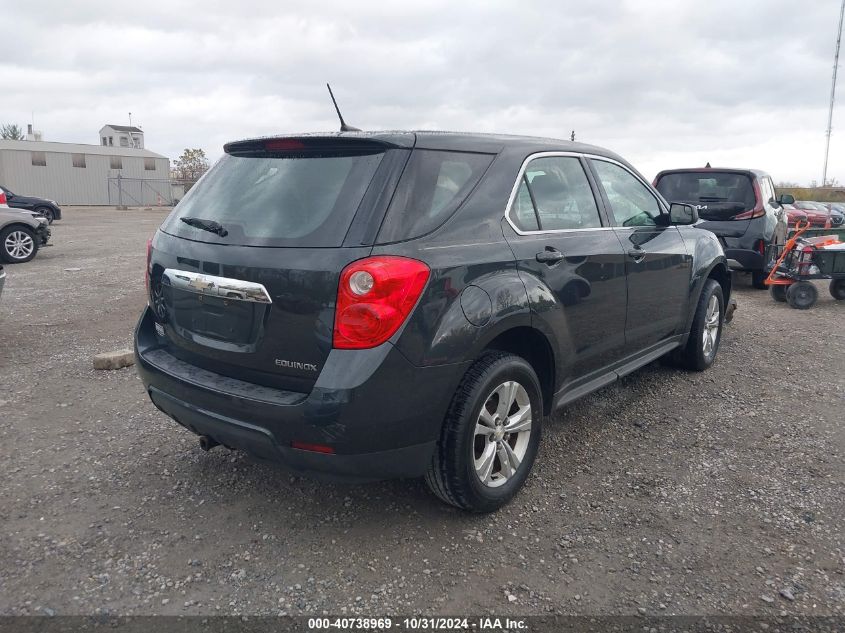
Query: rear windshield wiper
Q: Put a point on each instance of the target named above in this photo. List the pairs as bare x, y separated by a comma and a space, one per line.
206, 225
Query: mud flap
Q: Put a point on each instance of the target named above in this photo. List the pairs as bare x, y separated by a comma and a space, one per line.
730, 309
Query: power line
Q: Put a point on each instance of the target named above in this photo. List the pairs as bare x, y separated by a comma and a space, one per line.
832, 94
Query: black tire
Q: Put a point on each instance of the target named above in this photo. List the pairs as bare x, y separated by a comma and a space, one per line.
758, 279
802, 295
693, 355
6, 251
452, 474
47, 213
778, 293
837, 289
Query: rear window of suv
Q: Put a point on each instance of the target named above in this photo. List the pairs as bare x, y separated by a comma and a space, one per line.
303, 201
719, 195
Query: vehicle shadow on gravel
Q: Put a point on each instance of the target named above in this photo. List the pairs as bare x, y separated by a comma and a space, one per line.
243, 486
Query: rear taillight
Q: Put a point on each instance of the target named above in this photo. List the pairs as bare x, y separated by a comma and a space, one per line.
374, 297
147, 268
756, 212
2, 197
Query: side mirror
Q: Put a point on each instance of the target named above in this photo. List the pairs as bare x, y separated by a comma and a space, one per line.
786, 198
682, 213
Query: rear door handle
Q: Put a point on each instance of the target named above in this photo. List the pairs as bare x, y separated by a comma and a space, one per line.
550, 256
637, 254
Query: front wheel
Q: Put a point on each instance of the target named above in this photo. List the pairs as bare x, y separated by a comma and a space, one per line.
778, 292
706, 332
490, 435
18, 244
837, 289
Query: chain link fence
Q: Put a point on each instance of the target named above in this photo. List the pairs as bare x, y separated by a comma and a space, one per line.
143, 192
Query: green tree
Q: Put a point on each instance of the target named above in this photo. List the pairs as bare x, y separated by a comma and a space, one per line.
11, 132
190, 165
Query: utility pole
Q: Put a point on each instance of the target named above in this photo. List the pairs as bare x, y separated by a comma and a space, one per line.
832, 94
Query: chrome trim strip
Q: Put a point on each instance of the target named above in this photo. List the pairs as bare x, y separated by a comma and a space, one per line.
522, 169
212, 286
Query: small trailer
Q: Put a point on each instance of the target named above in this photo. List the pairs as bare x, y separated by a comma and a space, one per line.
800, 260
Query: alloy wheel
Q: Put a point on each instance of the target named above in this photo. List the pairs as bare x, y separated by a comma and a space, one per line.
19, 245
502, 434
710, 336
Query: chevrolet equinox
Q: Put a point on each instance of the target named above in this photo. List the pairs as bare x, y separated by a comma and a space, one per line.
414, 304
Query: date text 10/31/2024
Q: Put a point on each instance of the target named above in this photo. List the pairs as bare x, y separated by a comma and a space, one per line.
416, 624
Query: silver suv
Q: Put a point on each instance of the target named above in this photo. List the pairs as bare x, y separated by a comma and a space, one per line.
21, 235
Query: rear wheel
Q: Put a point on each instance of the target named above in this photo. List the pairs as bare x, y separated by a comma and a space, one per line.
758, 279
802, 295
778, 293
18, 244
837, 289
706, 332
490, 435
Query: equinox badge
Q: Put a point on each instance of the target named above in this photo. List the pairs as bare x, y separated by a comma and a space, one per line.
295, 364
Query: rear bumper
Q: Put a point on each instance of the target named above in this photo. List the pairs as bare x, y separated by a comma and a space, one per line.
747, 259
381, 414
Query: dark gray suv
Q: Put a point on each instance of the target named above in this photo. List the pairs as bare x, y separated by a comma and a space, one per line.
383, 305
738, 205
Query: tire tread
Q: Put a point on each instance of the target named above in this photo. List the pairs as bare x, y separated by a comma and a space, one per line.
689, 357
441, 478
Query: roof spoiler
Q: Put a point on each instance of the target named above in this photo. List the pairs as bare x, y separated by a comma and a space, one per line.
307, 145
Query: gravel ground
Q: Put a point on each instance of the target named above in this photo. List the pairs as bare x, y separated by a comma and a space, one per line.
665, 493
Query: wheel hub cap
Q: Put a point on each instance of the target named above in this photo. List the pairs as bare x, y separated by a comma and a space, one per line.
502, 434
19, 244
712, 324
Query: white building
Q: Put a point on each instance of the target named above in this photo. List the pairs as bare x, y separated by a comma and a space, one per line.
122, 136
74, 173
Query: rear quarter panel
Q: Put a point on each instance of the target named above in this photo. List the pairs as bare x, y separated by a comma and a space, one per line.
474, 292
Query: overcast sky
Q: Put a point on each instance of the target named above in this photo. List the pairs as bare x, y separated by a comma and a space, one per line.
665, 83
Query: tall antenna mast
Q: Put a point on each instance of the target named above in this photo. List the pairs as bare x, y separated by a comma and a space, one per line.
344, 126
832, 94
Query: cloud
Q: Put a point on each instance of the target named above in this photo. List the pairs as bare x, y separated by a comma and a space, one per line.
662, 83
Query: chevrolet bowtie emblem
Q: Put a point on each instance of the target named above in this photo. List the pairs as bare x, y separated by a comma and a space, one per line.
212, 286
201, 283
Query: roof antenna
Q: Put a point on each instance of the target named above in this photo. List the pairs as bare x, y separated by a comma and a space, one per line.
343, 126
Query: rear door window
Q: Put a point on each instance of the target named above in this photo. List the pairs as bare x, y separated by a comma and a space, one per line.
718, 195
303, 201
522, 211
432, 187
554, 195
